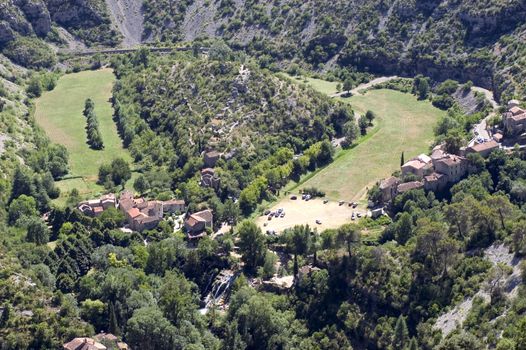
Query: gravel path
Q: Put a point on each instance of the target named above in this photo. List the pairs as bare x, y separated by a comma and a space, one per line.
128, 17
365, 86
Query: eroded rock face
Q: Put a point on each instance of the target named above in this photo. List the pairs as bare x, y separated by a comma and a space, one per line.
37, 14
24, 17
74, 13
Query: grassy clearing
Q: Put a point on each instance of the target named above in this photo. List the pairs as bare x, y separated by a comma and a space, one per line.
59, 113
404, 124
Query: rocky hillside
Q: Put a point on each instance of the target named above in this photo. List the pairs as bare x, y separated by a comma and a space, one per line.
464, 40
26, 24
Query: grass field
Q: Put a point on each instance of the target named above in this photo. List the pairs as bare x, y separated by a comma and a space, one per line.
59, 113
404, 124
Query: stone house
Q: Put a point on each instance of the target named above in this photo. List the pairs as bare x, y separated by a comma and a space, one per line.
389, 188
197, 223
514, 121
84, 343
95, 207
453, 166
210, 158
419, 166
484, 149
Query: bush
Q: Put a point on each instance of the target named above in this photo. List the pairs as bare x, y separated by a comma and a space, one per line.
30, 52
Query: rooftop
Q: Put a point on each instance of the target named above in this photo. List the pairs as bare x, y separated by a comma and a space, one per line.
386, 183
484, 146
409, 186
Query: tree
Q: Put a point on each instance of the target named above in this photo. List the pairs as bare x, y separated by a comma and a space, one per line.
453, 141
401, 334
402, 159
113, 323
421, 87
370, 115
348, 85
178, 298
349, 234
141, 184
403, 228
350, 131
23, 206
297, 241
363, 123
251, 245
34, 88
37, 231
118, 172
148, 329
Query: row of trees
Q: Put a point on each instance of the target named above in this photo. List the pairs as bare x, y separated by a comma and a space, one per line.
92, 127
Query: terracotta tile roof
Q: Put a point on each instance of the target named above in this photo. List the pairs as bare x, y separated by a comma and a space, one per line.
133, 212
433, 177
415, 163
84, 344
205, 215
386, 183
174, 202
516, 110
518, 117
451, 159
484, 146
410, 186
212, 154
209, 171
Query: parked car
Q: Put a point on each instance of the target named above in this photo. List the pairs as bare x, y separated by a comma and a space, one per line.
308, 197
282, 215
353, 217
326, 201
359, 215
280, 210
269, 217
318, 222
303, 196
265, 224
354, 205
340, 203
266, 212
293, 198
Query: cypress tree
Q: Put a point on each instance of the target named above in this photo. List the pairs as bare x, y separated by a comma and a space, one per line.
401, 334
413, 345
113, 326
402, 159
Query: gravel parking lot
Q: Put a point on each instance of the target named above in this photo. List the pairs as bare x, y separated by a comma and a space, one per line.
300, 212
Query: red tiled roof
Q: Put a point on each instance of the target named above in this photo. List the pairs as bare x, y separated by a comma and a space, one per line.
484, 146
133, 212
409, 186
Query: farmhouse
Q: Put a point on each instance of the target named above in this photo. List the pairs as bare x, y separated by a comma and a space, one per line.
95, 207
434, 173
408, 186
174, 206
514, 120
197, 223
453, 166
419, 166
484, 149
146, 215
389, 188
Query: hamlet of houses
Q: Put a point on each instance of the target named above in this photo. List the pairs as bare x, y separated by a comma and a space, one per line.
142, 214
435, 172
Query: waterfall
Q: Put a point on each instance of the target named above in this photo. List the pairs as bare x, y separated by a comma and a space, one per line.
219, 292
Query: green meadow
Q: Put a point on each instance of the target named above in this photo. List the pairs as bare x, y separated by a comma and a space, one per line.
59, 113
